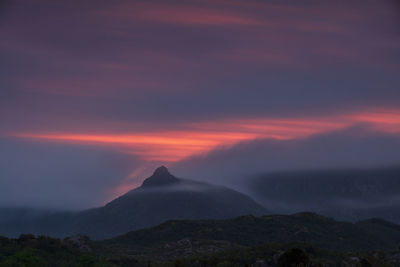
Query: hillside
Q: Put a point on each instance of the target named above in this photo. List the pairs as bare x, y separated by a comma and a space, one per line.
304, 227
248, 239
274, 241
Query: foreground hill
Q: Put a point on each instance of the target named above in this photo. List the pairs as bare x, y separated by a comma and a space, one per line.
311, 228
161, 197
249, 239
274, 241
349, 194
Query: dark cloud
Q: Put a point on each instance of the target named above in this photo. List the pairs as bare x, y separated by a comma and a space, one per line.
4, 7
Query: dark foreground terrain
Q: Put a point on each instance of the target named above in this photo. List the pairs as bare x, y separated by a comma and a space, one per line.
303, 239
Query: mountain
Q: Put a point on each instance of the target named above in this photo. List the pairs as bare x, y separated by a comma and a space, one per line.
348, 194
161, 197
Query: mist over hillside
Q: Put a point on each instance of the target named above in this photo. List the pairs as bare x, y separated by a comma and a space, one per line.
347, 194
349, 174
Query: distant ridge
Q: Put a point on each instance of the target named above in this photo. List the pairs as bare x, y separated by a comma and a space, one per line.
345, 194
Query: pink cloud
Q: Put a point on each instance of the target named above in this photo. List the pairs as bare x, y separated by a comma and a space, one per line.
195, 16
189, 15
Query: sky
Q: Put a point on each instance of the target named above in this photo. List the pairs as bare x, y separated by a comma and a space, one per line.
94, 95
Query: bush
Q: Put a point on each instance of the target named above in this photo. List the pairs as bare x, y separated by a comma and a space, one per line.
293, 258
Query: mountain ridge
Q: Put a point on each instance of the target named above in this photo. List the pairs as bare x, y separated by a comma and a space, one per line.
161, 197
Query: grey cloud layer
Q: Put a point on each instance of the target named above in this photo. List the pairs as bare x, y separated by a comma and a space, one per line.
356, 147
59, 176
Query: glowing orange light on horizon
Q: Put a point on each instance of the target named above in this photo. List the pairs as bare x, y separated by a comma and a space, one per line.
171, 146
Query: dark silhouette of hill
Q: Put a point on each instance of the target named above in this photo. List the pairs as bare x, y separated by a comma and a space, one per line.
275, 240
305, 227
161, 197
348, 194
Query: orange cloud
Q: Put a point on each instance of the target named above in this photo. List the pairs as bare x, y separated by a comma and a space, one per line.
165, 146
197, 138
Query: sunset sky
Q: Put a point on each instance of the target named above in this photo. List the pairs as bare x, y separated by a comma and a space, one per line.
95, 94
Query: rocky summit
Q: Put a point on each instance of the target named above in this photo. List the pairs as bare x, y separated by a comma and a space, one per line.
161, 177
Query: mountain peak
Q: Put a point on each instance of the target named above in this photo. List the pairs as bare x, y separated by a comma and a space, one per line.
160, 177
162, 170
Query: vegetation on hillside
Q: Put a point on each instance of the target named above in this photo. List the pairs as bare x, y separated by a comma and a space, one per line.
303, 239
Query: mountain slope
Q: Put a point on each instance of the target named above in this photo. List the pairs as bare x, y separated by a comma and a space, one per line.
163, 197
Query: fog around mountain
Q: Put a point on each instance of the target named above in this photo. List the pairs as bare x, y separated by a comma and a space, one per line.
347, 194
